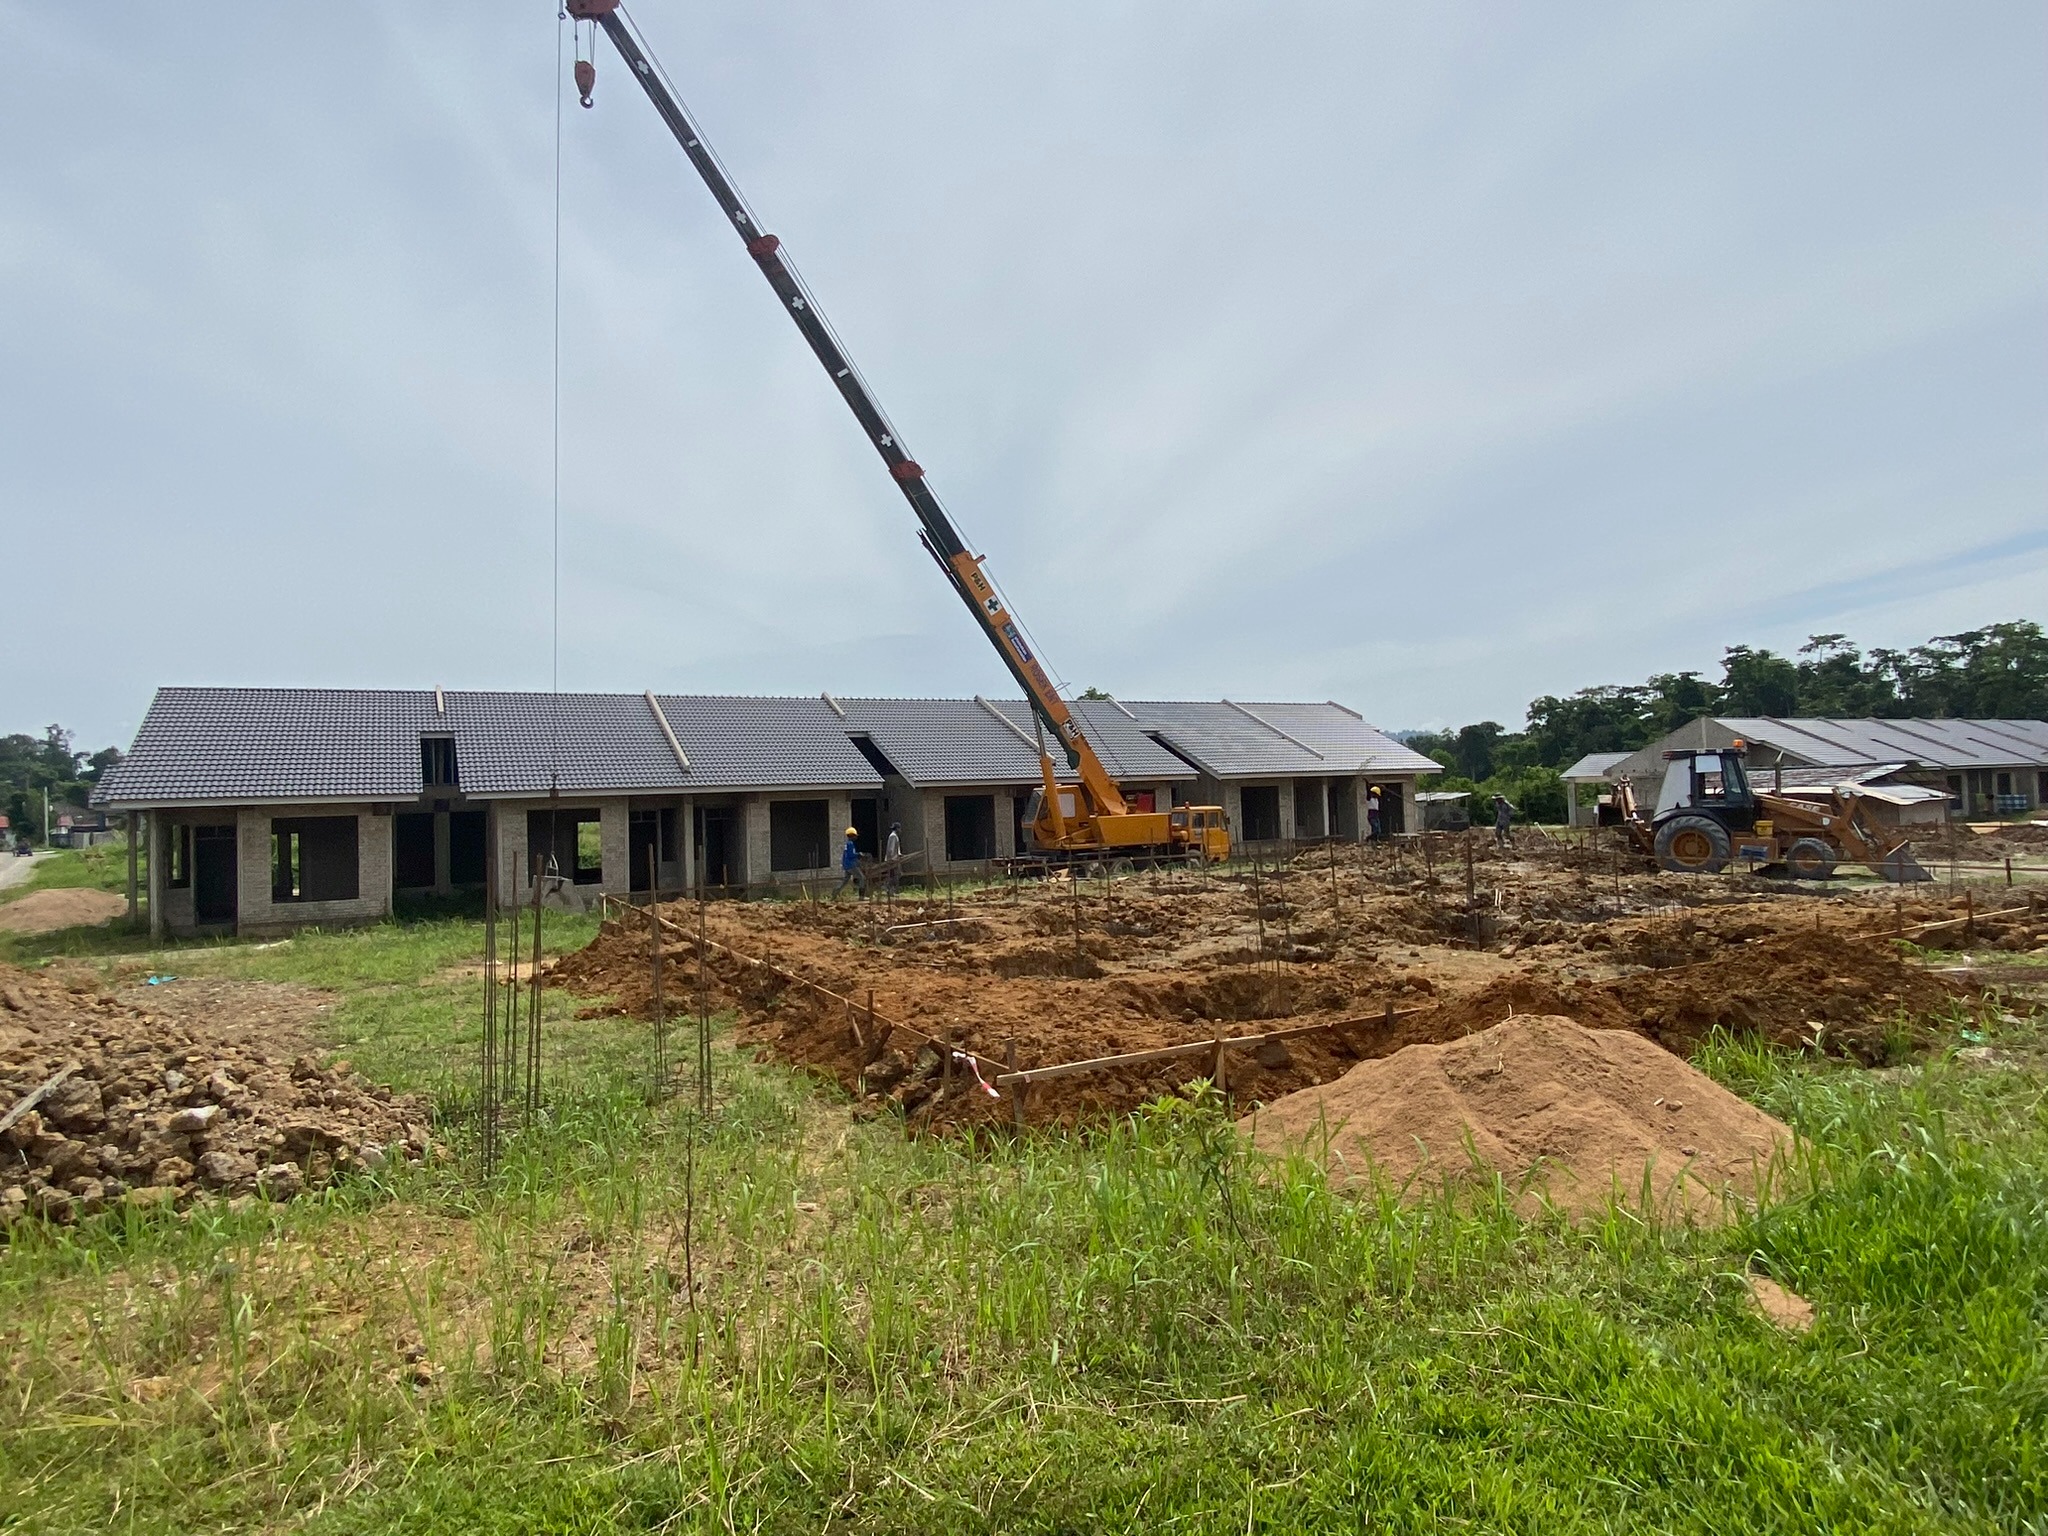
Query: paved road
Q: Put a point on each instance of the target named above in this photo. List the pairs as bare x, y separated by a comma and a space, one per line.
13, 871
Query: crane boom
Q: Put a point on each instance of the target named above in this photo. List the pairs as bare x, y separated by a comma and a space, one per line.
962, 566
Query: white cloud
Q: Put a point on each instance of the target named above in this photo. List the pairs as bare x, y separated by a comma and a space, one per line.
1426, 359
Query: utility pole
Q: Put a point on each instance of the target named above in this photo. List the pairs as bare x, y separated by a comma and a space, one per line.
46, 818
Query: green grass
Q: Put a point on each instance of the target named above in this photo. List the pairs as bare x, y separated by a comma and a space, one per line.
1136, 1329
101, 868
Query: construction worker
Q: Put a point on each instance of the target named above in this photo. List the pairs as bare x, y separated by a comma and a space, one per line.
1503, 814
892, 857
850, 872
1372, 814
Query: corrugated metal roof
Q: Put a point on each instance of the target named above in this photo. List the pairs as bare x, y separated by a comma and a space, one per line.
1276, 740
1946, 744
1593, 768
1949, 746
959, 741
1825, 778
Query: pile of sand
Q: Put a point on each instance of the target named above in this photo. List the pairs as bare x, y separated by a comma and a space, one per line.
104, 1101
1568, 1115
66, 907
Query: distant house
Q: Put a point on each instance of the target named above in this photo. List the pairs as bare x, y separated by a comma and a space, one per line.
1595, 771
269, 808
1980, 767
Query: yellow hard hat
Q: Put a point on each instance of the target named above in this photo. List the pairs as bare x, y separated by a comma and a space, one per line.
853, 831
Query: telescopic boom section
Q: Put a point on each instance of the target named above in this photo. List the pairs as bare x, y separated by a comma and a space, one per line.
962, 566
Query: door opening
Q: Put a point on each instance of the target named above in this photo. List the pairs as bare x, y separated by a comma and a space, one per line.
213, 875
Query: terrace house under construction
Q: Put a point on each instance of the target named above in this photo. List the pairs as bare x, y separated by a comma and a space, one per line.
270, 808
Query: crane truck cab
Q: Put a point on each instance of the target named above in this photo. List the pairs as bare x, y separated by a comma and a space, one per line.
1188, 829
1203, 829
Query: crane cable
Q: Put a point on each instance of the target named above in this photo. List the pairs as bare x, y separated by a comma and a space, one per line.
555, 466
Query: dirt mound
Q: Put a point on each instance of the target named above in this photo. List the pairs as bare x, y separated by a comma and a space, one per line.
47, 911
191, 1087
1565, 1114
1848, 994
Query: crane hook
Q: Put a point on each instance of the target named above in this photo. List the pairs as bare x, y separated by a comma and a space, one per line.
586, 80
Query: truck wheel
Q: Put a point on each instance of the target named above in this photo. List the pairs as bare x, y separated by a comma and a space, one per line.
1693, 845
1810, 859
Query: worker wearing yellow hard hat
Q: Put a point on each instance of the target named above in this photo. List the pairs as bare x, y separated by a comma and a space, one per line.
850, 872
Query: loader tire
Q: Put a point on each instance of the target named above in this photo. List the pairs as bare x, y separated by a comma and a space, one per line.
1809, 859
1693, 845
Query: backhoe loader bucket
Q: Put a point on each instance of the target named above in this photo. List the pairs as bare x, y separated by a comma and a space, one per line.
1900, 867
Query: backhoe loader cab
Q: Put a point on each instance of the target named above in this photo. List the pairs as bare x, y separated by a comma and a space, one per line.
1706, 814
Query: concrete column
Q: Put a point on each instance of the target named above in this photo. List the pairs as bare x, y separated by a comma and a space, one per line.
613, 819
838, 817
252, 868
689, 837
755, 844
934, 830
155, 825
507, 832
1006, 823
443, 859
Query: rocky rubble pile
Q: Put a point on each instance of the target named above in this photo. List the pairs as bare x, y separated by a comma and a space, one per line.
103, 1101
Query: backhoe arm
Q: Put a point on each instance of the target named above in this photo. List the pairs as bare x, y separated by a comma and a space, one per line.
962, 566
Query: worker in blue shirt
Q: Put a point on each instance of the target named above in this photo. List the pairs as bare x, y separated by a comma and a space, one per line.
850, 872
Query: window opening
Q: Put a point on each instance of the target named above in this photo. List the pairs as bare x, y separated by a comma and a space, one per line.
1261, 808
313, 858
412, 854
569, 842
437, 761
970, 828
800, 835
179, 857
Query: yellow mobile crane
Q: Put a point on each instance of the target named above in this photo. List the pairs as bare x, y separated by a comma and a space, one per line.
1086, 819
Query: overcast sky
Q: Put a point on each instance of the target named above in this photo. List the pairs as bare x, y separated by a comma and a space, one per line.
1424, 357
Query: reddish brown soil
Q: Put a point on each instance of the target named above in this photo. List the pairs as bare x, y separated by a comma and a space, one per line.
1044, 974
47, 911
176, 1090
1567, 1116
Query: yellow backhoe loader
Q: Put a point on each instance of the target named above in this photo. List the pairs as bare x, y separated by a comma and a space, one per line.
1708, 818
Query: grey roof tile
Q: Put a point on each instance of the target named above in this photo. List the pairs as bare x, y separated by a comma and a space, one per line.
764, 743
263, 744
957, 741
1277, 740
243, 744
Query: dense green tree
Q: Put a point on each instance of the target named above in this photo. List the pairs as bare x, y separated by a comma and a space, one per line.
1606, 719
29, 766
1834, 683
1755, 682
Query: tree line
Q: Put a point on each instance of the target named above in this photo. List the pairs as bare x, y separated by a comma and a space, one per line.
29, 766
1998, 672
